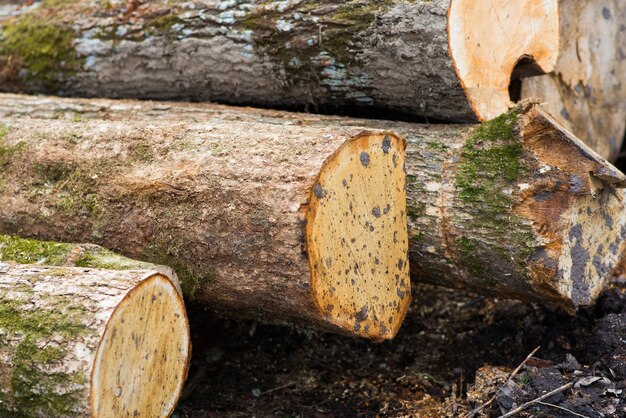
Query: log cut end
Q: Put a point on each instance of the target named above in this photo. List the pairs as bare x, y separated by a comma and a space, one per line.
578, 211
145, 346
357, 238
493, 41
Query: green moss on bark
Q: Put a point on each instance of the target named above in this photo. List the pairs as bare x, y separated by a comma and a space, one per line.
29, 251
36, 389
43, 48
321, 44
490, 169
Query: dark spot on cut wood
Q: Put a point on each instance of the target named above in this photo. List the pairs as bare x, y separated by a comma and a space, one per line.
376, 211
386, 144
319, 192
576, 184
365, 159
543, 196
606, 13
400, 294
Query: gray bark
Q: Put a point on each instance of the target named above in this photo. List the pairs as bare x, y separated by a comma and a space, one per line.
391, 55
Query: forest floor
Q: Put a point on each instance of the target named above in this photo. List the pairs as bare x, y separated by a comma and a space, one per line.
454, 352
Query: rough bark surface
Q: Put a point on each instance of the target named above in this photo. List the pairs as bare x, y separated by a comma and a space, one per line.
507, 207
14, 249
392, 54
587, 90
516, 207
223, 196
54, 322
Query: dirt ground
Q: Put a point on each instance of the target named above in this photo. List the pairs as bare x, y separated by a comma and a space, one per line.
430, 370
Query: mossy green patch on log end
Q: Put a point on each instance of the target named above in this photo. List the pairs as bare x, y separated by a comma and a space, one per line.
490, 168
35, 388
43, 48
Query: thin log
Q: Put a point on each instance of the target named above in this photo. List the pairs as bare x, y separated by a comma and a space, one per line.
90, 342
443, 59
267, 218
505, 208
587, 89
14, 249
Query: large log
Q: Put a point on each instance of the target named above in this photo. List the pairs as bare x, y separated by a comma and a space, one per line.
516, 207
587, 89
269, 218
443, 59
88, 342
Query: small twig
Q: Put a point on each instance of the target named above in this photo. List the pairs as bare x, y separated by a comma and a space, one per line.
564, 409
537, 400
511, 376
522, 364
278, 388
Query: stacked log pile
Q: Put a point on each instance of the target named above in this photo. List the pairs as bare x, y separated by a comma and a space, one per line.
313, 221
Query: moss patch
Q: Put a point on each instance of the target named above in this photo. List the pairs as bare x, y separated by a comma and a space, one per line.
42, 47
320, 43
190, 279
28, 251
36, 391
490, 168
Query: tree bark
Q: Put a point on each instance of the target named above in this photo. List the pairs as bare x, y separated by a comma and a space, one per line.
586, 92
14, 249
90, 342
508, 207
425, 57
264, 216
517, 207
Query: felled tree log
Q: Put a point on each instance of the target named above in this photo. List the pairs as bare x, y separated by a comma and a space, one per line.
494, 208
424, 57
90, 342
586, 92
14, 249
516, 207
269, 219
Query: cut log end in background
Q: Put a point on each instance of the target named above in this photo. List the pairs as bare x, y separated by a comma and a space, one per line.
492, 42
360, 279
586, 91
90, 342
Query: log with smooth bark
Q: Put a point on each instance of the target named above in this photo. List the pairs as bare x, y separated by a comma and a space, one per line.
271, 219
508, 207
90, 342
445, 59
587, 90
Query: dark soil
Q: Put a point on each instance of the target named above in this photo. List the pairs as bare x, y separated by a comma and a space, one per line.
429, 370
